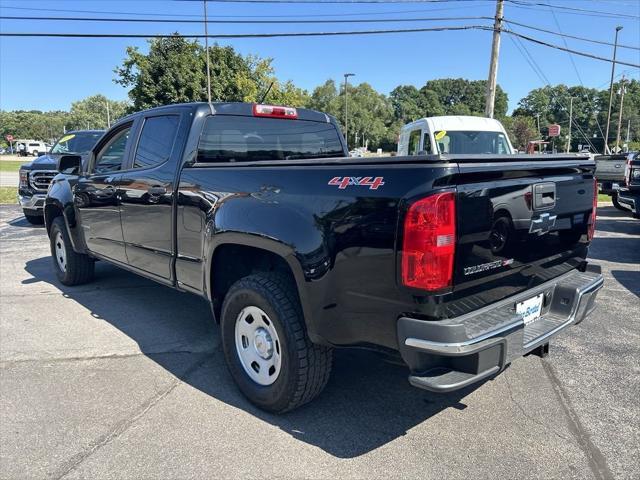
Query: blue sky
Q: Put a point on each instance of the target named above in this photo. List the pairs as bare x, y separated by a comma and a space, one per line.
50, 73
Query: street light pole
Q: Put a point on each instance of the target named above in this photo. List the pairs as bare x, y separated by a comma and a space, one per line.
622, 92
613, 69
346, 101
570, 121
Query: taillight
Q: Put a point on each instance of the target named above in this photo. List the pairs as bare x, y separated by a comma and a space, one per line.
274, 111
627, 171
429, 242
24, 179
592, 219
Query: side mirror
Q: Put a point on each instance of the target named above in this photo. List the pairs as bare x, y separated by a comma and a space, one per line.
70, 164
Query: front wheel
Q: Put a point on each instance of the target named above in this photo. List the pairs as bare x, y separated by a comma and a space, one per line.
266, 346
71, 268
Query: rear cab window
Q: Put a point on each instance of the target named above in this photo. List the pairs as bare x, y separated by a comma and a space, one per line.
228, 138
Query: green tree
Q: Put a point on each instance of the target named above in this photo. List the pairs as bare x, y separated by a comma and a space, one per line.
459, 96
174, 71
521, 130
95, 112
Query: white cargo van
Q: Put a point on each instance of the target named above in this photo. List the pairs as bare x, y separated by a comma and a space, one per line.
454, 134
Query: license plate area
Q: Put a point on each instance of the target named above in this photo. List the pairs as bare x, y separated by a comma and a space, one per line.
530, 309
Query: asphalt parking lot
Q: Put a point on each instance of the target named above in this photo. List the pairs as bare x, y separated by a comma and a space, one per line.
123, 378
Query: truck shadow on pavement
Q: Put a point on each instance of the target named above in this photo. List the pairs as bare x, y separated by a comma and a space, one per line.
367, 403
612, 220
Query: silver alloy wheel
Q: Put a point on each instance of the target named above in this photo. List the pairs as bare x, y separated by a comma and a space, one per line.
258, 345
61, 253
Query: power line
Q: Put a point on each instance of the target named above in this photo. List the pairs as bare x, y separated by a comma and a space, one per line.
314, 34
343, 14
564, 49
562, 34
173, 20
571, 9
244, 35
541, 75
304, 21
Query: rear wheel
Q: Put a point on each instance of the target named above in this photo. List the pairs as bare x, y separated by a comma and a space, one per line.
35, 153
266, 346
71, 268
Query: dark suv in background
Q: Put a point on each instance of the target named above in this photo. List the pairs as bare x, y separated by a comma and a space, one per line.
36, 176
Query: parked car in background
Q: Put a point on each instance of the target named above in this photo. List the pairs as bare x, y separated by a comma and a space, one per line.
31, 148
299, 248
629, 194
610, 175
36, 175
454, 134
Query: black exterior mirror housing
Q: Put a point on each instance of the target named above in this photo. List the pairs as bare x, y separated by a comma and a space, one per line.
70, 164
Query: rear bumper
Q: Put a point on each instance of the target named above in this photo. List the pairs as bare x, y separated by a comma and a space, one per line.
609, 187
450, 354
629, 199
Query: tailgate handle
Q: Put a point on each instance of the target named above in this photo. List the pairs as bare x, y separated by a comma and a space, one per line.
544, 195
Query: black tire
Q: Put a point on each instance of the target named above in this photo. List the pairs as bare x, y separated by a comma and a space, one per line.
35, 153
305, 366
33, 219
79, 268
617, 204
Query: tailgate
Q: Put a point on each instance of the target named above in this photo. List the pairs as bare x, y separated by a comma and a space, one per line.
610, 167
519, 225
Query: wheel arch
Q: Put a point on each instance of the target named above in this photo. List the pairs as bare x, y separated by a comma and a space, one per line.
251, 254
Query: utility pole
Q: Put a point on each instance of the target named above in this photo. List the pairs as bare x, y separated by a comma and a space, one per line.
493, 66
570, 122
613, 69
346, 101
108, 116
538, 118
622, 91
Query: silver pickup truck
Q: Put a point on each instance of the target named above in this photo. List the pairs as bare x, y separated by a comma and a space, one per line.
610, 175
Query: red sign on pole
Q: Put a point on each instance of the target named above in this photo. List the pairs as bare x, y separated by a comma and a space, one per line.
9, 138
554, 130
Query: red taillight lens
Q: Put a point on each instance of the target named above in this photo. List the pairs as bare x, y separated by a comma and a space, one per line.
592, 219
429, 242
275, 111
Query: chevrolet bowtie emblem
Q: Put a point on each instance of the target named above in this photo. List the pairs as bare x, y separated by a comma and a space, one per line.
543, 224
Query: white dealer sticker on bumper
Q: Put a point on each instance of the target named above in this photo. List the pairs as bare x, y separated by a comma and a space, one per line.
530, 309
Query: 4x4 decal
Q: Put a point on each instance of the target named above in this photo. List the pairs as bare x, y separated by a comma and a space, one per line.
344, 182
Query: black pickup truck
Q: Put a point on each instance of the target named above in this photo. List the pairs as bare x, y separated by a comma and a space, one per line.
458, 263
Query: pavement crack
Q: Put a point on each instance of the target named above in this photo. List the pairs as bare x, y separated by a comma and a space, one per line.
595, 458
79, 358
119, 428
526, 415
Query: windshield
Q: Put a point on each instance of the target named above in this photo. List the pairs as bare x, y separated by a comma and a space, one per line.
76, 142
469, 142
248, 139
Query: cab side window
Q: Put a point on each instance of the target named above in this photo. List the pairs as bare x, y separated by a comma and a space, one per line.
426, 143
111, 157
156, 141
414, 142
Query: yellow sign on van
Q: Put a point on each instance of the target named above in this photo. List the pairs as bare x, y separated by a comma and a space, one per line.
66, 138
440, 135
